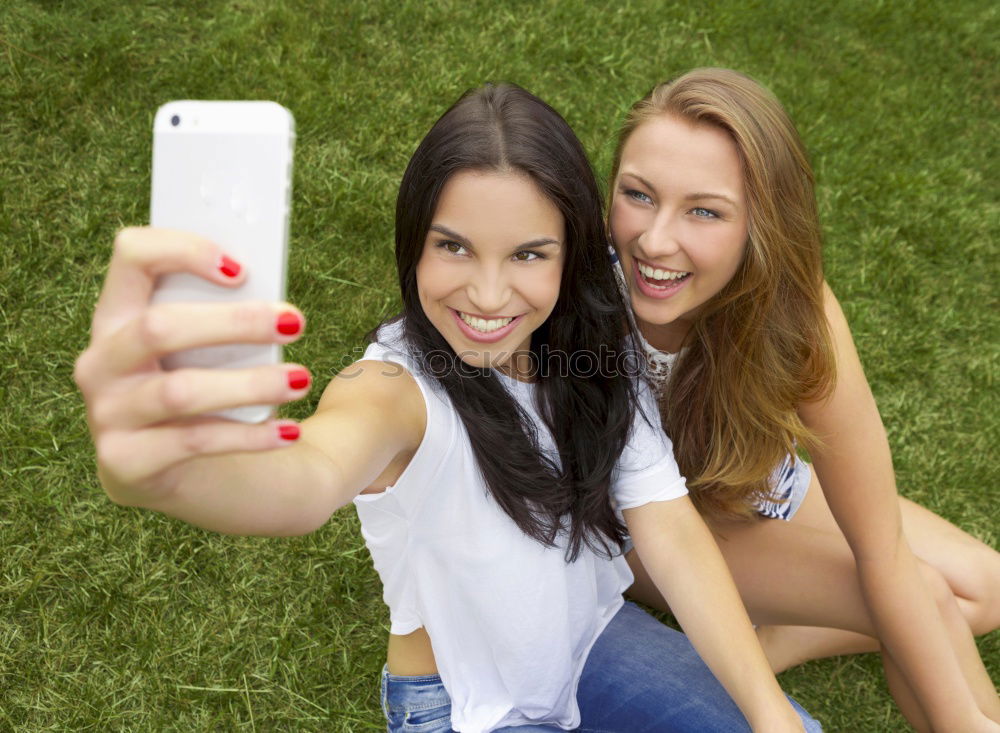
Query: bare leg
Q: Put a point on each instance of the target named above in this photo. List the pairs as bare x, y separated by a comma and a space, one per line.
966, 567
791, 574
790, 646
777, 565
785, 646
971, 567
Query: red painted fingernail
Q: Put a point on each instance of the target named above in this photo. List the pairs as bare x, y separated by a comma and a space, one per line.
289, 323
229, 267
298, 378
288, 432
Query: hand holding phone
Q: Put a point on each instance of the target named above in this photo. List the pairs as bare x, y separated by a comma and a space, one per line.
222, 170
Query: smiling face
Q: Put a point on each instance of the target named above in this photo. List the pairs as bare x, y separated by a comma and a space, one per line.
679, 222
491, 265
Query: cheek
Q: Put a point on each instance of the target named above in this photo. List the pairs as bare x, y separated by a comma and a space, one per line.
542, 286
432, 281
621, 222
720, 254
736, 251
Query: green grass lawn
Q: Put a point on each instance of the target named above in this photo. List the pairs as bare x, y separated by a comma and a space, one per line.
117, 619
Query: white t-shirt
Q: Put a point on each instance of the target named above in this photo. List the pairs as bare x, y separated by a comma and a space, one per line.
510, 621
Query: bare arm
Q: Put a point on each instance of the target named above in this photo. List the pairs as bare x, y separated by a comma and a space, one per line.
854, 466
684, 561
157, 449
361, 426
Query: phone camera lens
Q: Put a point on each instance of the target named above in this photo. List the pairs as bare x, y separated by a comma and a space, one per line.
175, 120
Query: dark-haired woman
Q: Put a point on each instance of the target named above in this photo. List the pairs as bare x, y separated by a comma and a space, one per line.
714, 220
472, 440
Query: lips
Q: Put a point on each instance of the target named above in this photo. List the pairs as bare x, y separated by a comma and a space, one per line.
494, 334
661, 287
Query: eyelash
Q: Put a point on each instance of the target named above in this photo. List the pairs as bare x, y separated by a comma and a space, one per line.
447, 244
534, 256
644, 198
711, 214
638, 196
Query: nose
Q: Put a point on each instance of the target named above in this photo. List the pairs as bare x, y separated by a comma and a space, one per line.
489, 290
660, 238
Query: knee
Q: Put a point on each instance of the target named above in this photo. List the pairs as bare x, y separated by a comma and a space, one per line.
975, 591
982, 604
937, 585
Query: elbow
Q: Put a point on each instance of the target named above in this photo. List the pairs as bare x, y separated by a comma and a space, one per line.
298, 527
120, 495
120, 500
302, 512
943, 596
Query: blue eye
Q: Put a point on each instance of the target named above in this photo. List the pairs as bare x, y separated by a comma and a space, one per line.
703, 213
637, 195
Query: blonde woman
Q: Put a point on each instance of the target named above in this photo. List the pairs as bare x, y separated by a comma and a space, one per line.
714, 220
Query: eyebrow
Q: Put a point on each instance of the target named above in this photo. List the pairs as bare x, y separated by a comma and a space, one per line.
464, 241
697, 196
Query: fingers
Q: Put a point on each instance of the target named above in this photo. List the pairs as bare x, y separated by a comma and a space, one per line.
189, 392
141, 254
145, 420
169, 327
133, 457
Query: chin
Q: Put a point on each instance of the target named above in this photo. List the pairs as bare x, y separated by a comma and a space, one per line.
649, 310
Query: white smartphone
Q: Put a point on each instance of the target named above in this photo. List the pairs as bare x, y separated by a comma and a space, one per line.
223, 170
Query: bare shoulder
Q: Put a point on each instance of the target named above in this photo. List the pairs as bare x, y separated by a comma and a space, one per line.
834, 313
851, 393
385, 391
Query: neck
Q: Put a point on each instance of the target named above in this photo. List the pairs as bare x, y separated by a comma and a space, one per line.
520, 367
668, 337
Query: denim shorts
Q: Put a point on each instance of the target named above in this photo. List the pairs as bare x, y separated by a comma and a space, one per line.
420, 704
640, 677
412, 703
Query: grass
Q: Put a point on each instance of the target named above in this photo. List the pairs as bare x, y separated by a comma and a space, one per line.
114, 619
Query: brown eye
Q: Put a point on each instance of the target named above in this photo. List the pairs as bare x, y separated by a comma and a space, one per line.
527, 256
451, 247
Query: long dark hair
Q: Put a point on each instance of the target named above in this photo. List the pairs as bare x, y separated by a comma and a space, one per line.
583, 396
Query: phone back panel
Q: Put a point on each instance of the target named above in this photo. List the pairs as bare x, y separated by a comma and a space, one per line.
223, 170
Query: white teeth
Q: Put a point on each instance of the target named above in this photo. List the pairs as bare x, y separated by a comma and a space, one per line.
481, 324
658, 274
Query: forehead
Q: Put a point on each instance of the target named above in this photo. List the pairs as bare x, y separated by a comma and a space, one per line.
490, 207
703, 155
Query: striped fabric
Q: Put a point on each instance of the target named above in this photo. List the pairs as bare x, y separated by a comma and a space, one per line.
790, 482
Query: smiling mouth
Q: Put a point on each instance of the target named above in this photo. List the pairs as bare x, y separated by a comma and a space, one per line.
485, 330
484, 325
656, 277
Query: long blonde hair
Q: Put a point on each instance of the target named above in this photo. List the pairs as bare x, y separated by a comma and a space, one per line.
762, 344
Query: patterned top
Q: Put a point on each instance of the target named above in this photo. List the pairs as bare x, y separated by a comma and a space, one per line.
789, 481
661, 364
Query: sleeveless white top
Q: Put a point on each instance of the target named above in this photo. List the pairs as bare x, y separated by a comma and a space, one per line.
510, 621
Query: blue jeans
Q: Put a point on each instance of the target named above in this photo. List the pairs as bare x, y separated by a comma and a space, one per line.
640, 677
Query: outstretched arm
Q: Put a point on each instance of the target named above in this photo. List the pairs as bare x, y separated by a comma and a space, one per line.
362, 425
936, 655
156, 449
681, 557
